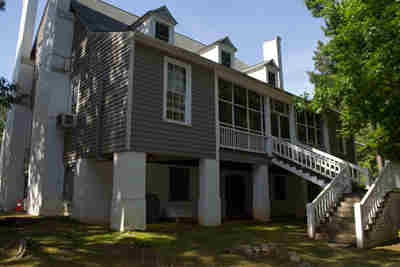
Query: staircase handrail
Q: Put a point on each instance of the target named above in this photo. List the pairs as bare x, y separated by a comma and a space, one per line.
355, 170
320, 207
366, 210
323, 163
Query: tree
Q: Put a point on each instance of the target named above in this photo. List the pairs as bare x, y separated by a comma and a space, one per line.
357, 71
9, 95
2, 5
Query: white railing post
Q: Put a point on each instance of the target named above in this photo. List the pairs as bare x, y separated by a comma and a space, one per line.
359, 225
310, 221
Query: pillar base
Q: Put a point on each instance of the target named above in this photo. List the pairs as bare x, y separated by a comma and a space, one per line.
261, 199
128, 208
209, 199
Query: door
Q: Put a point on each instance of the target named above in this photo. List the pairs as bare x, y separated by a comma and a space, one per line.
235, 189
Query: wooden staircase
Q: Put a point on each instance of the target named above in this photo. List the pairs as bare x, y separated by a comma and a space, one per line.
339, 227
334, 214
300, 171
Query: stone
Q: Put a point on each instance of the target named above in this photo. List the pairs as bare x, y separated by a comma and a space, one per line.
294, 257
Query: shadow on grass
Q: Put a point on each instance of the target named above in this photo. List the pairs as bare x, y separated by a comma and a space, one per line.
64, 242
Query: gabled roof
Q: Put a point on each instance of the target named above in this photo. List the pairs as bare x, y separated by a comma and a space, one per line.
161, 12
224, 41
164, 13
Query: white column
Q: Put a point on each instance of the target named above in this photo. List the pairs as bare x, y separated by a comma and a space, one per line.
358, 225
209, 197
310, 221
292, 124
267, 117
267, 123
128, 208
261, 197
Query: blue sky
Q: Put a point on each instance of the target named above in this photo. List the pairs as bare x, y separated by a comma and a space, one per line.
247, 23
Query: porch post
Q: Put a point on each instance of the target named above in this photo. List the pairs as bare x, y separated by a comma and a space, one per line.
310, 221
261, 198
359, 226
292, 124
267, 116
128, 208
209, 198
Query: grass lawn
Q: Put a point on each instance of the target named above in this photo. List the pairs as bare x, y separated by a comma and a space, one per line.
64, 242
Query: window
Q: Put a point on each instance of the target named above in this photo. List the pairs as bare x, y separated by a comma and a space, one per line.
240, 108
179, 184
280, 126
309, 128
177, 91
280, 187
226, 59
162, 31
272, 79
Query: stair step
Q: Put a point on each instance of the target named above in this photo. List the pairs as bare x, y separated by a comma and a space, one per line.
344, 215
344, 238
345, 208
347, 204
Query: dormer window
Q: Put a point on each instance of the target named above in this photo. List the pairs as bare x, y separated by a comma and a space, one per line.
226, 58
162, 31
272, 79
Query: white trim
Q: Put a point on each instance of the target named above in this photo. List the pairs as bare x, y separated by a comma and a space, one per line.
188, 96
130, 94
217, 126
171, 27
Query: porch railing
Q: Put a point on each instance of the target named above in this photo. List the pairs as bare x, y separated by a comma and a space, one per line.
327, 200
366, 210
241, 140
318, 161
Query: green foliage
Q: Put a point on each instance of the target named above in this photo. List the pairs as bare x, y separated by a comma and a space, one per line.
357, 72
8, 95
366, 150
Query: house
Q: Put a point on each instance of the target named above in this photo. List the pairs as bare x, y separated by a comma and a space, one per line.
123, 107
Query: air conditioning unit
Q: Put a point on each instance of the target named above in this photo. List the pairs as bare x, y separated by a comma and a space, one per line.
66, 120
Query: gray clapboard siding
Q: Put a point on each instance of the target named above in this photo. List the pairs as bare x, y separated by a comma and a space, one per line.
149, 133
102, 62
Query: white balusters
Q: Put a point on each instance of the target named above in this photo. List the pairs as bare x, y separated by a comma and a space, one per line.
367, 209
319, 209
241, 140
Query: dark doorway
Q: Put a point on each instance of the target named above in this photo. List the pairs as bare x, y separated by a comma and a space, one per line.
235, 192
